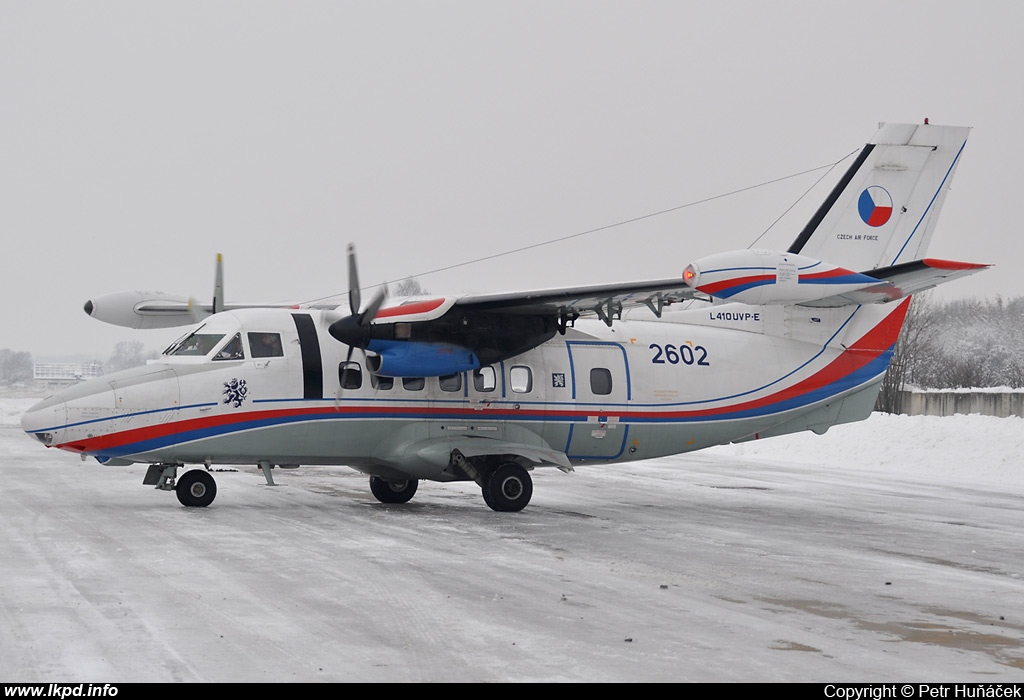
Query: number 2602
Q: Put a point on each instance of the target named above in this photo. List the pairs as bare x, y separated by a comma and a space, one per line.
697, 355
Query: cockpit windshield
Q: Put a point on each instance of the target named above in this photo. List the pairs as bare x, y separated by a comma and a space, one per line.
195, 345
231, 351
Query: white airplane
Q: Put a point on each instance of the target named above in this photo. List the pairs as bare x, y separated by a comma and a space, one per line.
488, 387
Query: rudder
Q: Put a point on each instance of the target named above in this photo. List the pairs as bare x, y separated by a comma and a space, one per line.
884, 209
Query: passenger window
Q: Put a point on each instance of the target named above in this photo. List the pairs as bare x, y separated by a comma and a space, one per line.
350, 375
600, 381
450, 382
231, 351
382, 383
485, 379
265, 345
413, 383
520, 378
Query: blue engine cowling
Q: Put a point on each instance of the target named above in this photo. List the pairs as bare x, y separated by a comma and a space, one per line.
397, 358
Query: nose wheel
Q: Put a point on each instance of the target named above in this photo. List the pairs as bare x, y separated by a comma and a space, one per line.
393, 491
196, 489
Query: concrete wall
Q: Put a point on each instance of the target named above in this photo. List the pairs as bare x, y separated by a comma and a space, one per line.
947, 403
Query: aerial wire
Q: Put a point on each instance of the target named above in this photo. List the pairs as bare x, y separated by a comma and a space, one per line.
828, 167
801, 197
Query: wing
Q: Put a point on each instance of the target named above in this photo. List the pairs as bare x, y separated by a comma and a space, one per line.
606, 301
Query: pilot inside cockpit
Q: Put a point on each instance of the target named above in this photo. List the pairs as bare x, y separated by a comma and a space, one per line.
265, 345
231, 351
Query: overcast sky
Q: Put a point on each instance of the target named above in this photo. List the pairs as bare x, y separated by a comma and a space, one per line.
139, 139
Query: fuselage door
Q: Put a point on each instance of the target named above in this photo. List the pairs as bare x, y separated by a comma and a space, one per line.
600, 385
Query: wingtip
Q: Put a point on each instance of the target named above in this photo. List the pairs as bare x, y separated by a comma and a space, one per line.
939, 264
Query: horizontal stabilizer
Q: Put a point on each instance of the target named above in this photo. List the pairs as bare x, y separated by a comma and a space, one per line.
898, 281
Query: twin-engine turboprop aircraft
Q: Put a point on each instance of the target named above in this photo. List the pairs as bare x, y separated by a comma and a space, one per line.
486, 388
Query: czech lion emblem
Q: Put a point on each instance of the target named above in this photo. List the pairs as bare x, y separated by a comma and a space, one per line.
235, 392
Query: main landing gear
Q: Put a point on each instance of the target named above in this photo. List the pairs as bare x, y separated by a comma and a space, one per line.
508, 488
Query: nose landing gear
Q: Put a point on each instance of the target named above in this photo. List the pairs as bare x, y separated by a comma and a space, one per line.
195, 489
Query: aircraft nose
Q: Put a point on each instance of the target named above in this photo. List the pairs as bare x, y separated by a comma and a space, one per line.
45, 420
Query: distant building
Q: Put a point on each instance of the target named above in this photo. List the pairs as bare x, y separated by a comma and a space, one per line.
55, 374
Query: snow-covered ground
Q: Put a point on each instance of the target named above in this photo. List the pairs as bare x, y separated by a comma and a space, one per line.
881, 551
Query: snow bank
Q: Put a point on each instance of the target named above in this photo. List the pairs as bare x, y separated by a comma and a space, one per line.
963, 448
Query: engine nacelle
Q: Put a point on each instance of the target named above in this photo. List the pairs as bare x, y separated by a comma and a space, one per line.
137, 309
397, 358
770, 277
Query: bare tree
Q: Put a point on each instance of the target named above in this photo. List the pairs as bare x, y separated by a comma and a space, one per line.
918, 329
409, 287
973, 343
15, 367
129, 353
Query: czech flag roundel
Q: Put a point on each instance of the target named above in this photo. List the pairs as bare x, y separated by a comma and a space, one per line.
875, 206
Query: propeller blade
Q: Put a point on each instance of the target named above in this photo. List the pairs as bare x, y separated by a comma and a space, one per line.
371, 311
354, 329
196, 311
354, 297
218, 285
345, 369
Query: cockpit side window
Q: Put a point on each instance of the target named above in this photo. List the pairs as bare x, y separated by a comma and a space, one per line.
195, 345
265, 345
231, 351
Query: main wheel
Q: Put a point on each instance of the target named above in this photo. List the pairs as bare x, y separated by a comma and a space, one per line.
508, 488
196, 489
393, 491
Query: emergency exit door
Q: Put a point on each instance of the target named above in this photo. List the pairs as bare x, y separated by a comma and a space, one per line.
601, 391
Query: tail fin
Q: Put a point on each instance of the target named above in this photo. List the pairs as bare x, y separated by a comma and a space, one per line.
883, 211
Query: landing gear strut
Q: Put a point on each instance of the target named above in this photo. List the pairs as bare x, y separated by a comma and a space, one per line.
393, 491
